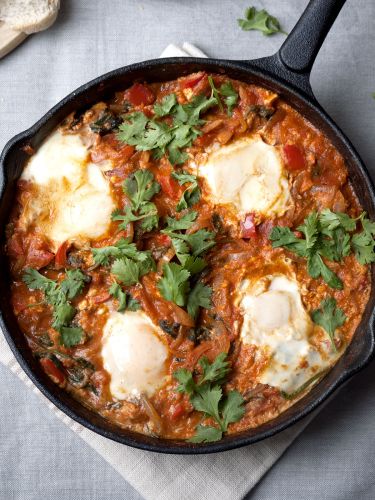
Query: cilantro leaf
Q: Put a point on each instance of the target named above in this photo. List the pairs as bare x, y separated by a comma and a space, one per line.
184, 222
174, 285
120, 295
233, 408
200, 241
206, 434
200, 296
206, 399
331, 220
284, 237
132, 129
185, 378
325, 235
230, 96
164, 107
58, 295
363, 243
329, 317
226, 93
260, 20
126, 301
133, 304
215, 93
70, 336
140, 187
215, 371
73, 283
36, 281
63, 314
310, 229
316, 268
126, 270
192, 194
193, 264
152, 134
206, 395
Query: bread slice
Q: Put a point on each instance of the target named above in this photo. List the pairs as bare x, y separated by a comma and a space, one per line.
9, 39
29, 16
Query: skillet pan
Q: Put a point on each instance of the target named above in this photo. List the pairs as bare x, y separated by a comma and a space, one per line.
286, 73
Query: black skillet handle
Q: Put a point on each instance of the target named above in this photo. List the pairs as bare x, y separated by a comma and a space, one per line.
296, 56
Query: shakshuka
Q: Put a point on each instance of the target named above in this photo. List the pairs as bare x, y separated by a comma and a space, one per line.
188, 258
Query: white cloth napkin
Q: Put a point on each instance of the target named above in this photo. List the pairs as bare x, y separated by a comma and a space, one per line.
225, 476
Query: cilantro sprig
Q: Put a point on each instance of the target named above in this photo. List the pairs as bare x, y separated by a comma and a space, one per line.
260, 20
125, 300
58, 295
128, 264
177, 283
196, 243
154, 134
225, 93
192, 194
140, 188
329, 317
328, 235
206, 395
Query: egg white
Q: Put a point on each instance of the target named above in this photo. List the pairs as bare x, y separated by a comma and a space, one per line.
71, 196
134, 354
275, 320
249, 175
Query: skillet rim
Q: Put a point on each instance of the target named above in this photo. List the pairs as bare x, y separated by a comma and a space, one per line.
266, 69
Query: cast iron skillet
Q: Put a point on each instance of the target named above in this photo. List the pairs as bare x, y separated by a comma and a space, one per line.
287, 73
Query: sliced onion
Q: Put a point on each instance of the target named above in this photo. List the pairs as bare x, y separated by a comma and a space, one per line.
152, 414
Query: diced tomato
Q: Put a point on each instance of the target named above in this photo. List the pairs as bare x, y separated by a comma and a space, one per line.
60, 257
37, 253
192, 80
139, 94
110, 148
176, 411
248, 227
169, 186
52, 371
294, 157
162, 240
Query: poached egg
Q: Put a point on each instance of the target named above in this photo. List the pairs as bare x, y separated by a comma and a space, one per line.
275, 320
71, 196
249, 175
134, 354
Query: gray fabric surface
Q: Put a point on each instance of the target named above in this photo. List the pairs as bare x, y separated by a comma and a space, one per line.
39, 456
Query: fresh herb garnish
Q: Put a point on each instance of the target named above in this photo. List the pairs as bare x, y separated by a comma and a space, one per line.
128, 263
260, 20
206, 396
200, 296
140, 187
327, 235
125, 300
192, 194
59, 295
153, 134
174, 285
329, 317
363, 243
199, 242
226, 93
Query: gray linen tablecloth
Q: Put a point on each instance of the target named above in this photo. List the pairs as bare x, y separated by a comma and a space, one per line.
39, 456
